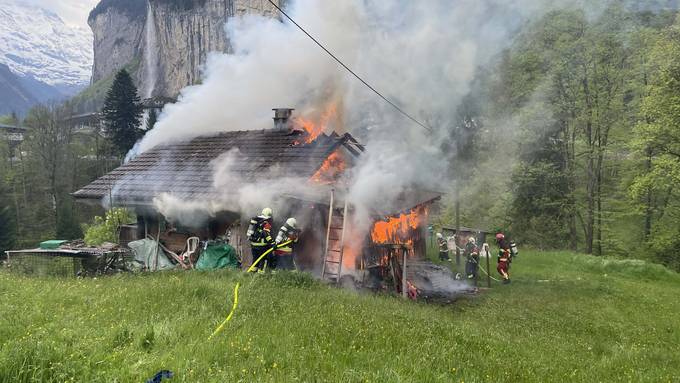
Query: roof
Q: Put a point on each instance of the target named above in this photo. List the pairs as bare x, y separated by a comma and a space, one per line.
185, 168
12, 128
464, 229
403, 203
408, 199
76, 253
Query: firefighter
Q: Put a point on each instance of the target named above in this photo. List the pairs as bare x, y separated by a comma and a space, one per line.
472, 259
285, 258
260, 237
504, 257
443, 248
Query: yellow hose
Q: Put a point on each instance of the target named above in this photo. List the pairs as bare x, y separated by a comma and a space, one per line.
252, 267
238, 284
481, 268
231, 313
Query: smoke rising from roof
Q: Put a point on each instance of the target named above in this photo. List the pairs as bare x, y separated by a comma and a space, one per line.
240, 195
421, 55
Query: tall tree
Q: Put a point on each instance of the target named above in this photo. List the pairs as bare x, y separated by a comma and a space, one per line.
123, 113
658, 141
7, 226
49, 138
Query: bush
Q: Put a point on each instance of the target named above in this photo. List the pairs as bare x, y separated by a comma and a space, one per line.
105, 229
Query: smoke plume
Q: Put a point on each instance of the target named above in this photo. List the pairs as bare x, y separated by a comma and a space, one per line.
421, 55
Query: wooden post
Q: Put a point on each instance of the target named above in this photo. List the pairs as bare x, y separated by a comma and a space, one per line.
158, 241
392, 261
488, 266
457, 226
403, 275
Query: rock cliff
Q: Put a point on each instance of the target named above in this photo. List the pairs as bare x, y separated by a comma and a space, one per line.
168, 41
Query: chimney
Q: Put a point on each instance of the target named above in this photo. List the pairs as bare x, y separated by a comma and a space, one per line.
282, 118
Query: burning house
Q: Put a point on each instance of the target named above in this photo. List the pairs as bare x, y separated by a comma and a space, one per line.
206, 187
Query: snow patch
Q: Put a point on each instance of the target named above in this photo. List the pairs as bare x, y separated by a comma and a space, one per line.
35, 42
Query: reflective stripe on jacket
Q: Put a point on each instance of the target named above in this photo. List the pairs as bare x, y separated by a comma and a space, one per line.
285, 234
443, 245
265, 235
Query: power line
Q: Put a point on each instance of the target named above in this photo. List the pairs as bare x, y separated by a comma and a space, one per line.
351, 71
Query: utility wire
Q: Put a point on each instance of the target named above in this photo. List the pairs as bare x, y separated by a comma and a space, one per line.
351, 71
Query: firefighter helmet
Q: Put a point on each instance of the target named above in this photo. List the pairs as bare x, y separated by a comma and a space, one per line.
471, 240
439, 235
267, 212
292, 222
499, 236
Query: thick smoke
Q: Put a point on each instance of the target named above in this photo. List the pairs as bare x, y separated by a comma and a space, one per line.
237, 194
421, 55
272, 65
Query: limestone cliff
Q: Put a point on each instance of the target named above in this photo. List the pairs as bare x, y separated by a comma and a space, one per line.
170, 39
118, 39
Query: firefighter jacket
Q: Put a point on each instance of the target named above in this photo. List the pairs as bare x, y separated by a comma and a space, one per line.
259, 232
504, 253
471, 251
286, 234
443, 245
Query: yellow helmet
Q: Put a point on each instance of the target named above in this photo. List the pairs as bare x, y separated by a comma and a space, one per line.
267, 212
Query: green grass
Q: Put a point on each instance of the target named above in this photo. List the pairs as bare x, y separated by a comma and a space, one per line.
565, 317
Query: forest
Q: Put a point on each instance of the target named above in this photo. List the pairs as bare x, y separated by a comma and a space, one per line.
569, 139
576, 140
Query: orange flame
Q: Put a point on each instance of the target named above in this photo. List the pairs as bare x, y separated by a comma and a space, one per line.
315, 128
351, 252
397, 229
330, 170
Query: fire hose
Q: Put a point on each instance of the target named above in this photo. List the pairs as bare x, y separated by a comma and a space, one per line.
231, 313
481, 268
252, 267
238, 284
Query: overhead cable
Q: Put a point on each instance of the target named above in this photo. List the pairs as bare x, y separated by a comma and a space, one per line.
395, 106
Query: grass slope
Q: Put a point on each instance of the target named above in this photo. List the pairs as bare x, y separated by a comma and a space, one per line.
565, 317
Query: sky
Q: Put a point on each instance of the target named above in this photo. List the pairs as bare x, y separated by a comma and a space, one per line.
73, 12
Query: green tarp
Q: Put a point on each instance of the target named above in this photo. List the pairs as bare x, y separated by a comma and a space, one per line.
52, 244
149, 255
217, 255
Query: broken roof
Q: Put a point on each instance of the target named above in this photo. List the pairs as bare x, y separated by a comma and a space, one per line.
184, 168
403, 203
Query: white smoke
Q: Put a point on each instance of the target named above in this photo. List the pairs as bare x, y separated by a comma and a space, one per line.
235, 192
272, 65
421, 55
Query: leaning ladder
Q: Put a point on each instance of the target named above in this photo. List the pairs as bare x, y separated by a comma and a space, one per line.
335, 234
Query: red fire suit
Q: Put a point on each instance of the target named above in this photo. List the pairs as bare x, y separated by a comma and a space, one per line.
504, 260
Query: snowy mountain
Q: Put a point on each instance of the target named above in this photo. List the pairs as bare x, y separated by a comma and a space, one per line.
13, 95
49, 57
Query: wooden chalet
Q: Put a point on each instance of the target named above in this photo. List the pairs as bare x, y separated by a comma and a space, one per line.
185, 170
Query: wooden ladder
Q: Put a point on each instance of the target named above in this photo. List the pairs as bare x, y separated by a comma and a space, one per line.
335, 240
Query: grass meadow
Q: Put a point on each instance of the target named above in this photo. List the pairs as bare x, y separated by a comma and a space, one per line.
565, 317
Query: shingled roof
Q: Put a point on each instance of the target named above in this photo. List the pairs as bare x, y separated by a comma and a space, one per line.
184, 168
